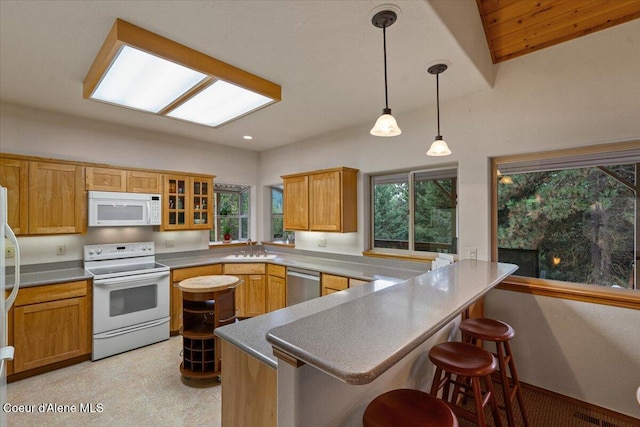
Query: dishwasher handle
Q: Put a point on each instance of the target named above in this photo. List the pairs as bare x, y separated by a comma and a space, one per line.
307, 276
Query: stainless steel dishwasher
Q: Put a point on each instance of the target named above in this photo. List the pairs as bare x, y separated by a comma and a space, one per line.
302, 285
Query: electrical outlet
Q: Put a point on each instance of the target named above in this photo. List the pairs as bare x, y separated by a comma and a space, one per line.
322, 243
61, 249
169, 243
472, 253
9, 252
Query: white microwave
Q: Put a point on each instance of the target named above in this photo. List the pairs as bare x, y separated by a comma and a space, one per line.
113, 209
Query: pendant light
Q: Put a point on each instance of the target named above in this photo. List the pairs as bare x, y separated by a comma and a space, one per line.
439, 147
386, 124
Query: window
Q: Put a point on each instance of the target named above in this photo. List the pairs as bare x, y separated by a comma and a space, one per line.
571, 218
277, 232
232, 212
415, 211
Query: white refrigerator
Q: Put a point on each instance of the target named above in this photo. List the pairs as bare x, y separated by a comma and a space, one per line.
7, 239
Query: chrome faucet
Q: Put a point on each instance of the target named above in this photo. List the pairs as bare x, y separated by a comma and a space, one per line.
250, 243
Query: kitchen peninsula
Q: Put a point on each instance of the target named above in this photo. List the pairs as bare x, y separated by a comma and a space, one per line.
334, 354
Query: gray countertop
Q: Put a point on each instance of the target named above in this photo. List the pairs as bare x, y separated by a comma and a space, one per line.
358, 339
46, 274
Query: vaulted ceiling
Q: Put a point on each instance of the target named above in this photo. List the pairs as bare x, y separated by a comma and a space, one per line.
517, 27
326, 54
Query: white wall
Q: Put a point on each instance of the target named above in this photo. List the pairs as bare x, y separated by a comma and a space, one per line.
583, 92
41, 133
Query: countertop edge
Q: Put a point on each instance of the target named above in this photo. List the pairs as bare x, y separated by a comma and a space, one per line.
365, 377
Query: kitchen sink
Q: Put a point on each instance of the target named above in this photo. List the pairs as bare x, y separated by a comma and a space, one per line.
250, 257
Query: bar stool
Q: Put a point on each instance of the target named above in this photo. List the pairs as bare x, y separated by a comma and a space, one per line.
469, 364
500, 333
407, 407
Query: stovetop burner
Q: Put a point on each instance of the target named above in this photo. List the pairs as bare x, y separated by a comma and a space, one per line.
121, 259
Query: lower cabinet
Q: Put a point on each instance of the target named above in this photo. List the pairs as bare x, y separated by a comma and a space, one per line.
51, 323
331, 283
178, 275
250, 296
276, 295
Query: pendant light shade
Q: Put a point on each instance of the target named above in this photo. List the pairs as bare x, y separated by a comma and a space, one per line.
386, 124
439, 147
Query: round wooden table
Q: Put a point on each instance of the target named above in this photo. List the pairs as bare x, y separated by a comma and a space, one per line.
207, 303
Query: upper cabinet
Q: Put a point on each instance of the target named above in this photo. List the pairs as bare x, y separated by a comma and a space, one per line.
296, 203
57, 198
187, 202
44, 197
323, 200
14, 175
132, 181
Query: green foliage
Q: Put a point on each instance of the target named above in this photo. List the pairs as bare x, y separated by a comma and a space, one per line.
584, 217
391, 212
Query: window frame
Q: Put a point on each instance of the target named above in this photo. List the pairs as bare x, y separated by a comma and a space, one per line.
245, 189
273, 215
625, 298
410, 253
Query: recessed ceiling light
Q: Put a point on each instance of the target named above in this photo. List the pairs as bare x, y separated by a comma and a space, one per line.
247, 137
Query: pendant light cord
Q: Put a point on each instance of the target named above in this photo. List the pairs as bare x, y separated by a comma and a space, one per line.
384, 43
438, 100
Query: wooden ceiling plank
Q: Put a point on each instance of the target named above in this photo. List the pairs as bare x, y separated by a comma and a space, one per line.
490, 6
517, 10
559, 29
579, 28
562, 11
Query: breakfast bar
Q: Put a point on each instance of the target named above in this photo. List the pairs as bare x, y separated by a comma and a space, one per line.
336, 353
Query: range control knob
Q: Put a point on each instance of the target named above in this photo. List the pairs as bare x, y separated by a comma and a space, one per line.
98, 251
90, 251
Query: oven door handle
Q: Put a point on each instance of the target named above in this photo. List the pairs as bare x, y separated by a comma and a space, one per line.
128, 279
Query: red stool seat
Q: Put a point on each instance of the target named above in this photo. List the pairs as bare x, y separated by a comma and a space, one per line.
487, 329
406, 407
501, 333
463, 365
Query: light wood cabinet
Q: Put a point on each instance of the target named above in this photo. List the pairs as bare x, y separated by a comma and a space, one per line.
187, 202
356, 282
276, 291
105, 179
51, 324
57, 198
116, 179
144, 182
44, 197
324, 200
249, 390
296, 203
14, 175
331, 283
178, 275
250, 295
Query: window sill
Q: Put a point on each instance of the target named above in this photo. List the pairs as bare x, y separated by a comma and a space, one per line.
279, 243
406, 257
625, 298
217, 245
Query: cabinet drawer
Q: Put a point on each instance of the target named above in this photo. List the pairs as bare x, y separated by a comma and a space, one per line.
181, 274
244, 269
276, 270
38, 294
356, 282
338, 283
